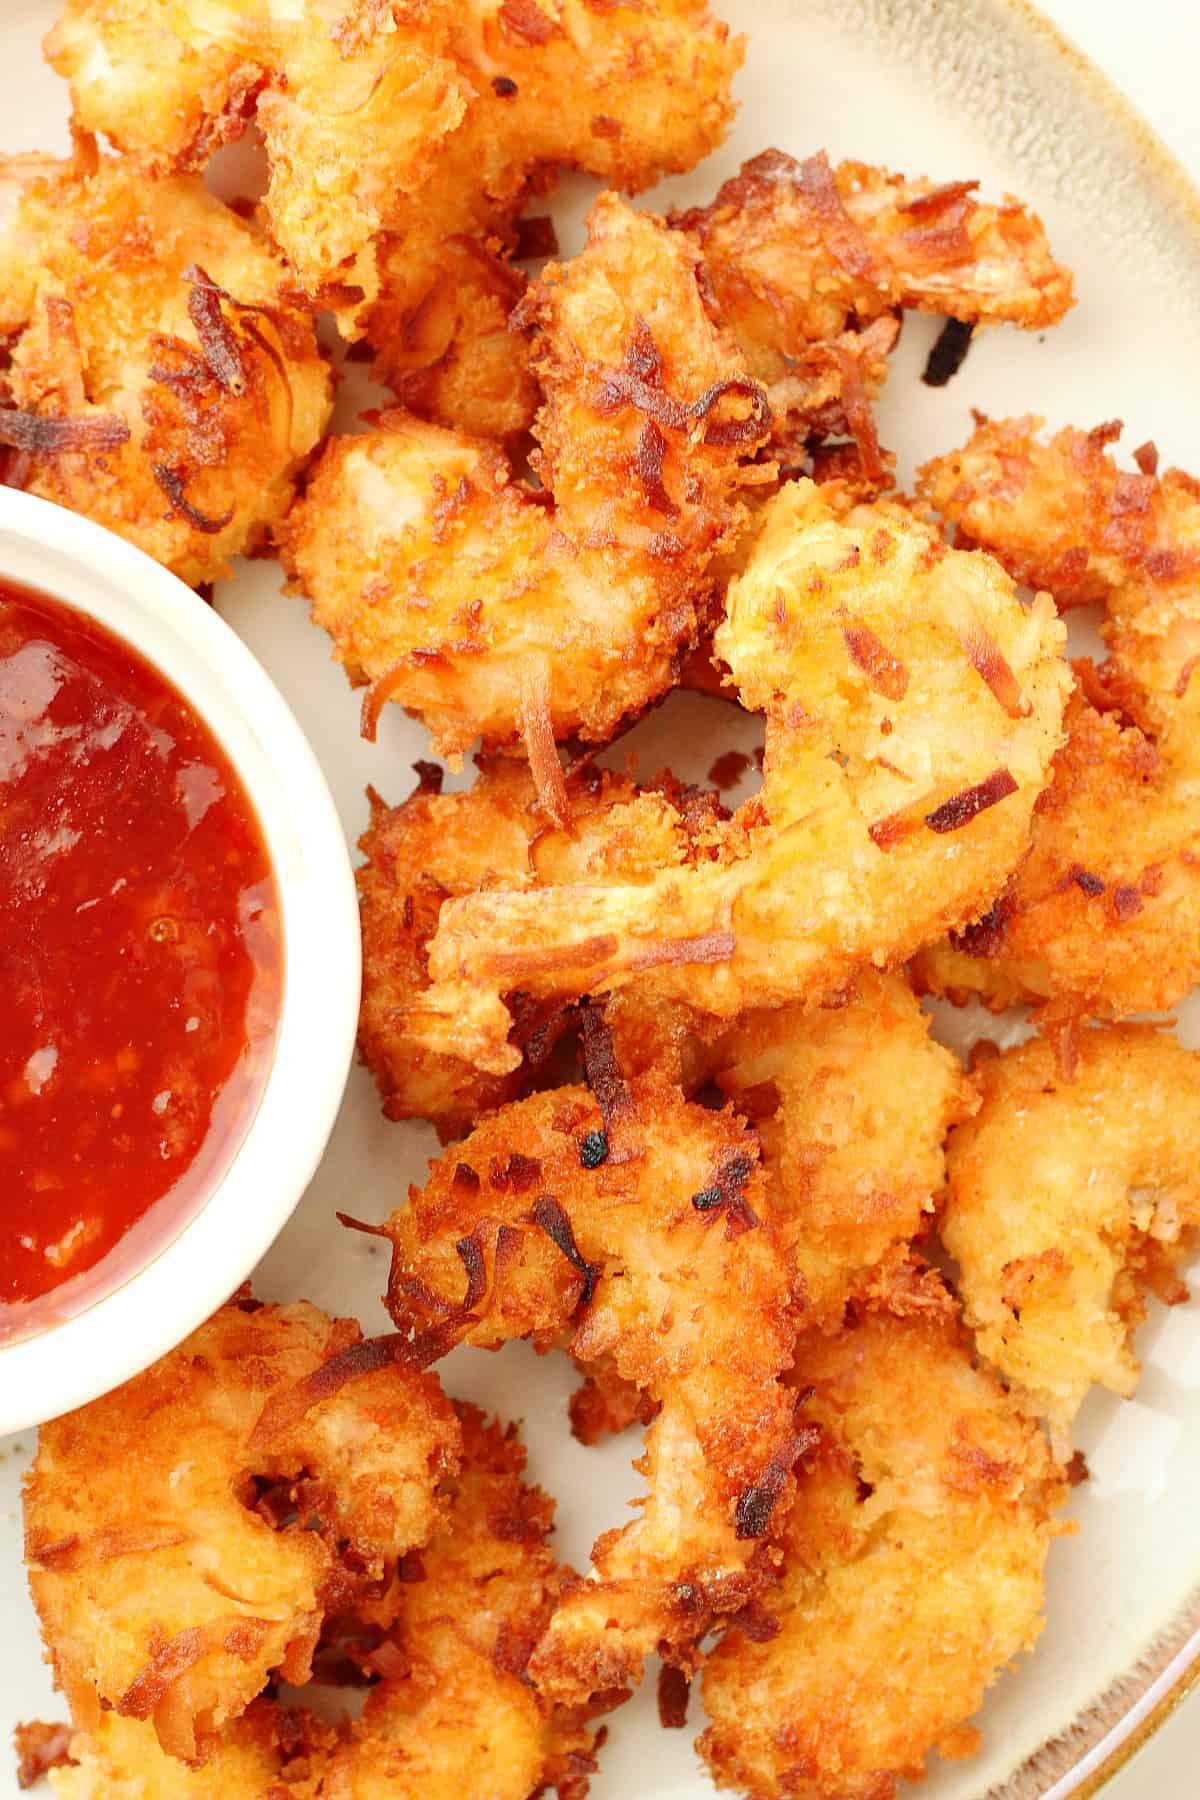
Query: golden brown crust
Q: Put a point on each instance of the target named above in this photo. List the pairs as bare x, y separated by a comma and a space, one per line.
165, 1524
515, 1235
857, 633
913, 1563
1102, 1157
147, 329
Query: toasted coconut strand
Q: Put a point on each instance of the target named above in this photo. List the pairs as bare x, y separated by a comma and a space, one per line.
1104, 915
186, 1630
471, 587
803, 878
618, 1255
537, 731
152, 400
40, 1748
914, 1559
1105, 1167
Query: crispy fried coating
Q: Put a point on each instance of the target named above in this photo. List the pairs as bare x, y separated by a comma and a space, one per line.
514, 1235
913, 705
158, 382
1068, 1196
852, 1103
353, 100
461, 1720
465, 596
266, 1754
167, 1524
810, 266
1104, 916
914, 1564
435, 846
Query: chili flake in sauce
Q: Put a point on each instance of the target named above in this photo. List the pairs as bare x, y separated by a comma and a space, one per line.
140, 960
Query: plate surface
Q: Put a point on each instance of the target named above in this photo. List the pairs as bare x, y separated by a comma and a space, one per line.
950, 88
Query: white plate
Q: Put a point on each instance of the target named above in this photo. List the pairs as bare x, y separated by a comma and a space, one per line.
950, 88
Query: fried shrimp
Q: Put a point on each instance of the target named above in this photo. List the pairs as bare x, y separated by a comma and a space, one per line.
188, 1532
465, 596
526, 1229
1104, 916
914, 1564
267, 1752
811, 265
352, 99
852, 1103
460, 1719
913, 705
1066, 1200
435, 846
157, 381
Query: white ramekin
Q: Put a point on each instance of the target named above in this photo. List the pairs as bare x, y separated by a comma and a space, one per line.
46, 548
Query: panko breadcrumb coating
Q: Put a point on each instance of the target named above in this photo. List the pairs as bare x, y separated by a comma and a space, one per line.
187, 1533
478, 604
461, 1719
810, 266
618, 1227
914, 1564
1104, 916
419, 119
435, 846
852, 1103
913, 705
158, 382
1069, 1194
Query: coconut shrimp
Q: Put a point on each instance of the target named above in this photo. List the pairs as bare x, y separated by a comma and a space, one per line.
1067, 1198
913, 705
464, 596
187, 1533
913, 1572
617, 1225
157, 381
1104, 916
459, 1718
267, 1751
810, 267
435, 846
416, 120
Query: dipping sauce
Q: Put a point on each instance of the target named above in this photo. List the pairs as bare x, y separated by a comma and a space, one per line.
140, 962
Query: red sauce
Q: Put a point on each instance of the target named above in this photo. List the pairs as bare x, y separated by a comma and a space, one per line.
140, 961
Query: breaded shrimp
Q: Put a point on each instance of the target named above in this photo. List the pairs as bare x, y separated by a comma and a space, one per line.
913, 1571
460, 1719
1067, 1198
913, 705
1104, 917
158, 382
267, 1754
188, 1532
619, 1226
491, 613
435, 846
418, 118
852, 1103
353, 98
811, 265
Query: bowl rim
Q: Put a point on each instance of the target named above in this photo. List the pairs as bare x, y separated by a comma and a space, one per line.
91, 570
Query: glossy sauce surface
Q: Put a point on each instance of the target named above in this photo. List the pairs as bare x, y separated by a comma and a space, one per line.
140, 961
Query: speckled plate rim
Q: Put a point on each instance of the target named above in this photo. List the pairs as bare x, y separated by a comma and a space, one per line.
1100, 1742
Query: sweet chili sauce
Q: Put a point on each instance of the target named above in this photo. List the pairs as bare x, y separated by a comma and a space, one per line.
140, 961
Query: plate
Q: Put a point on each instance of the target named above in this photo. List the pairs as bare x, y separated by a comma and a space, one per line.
950, 88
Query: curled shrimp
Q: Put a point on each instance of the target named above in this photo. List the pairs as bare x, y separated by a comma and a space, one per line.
617, 1226
497, 612
1103, 918
913, 1563
166, 1525
913, 706
1068, 1196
